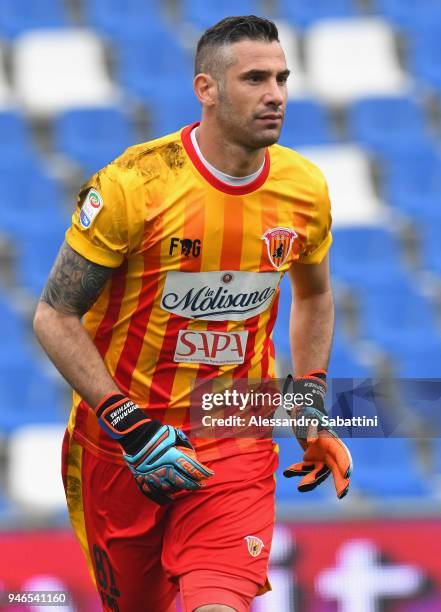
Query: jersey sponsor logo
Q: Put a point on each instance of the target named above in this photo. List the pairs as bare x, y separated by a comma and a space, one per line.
185, 247
219, 296
214, 348
279, 241
255, 545
92, 205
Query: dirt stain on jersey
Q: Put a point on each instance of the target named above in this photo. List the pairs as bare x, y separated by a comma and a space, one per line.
173, 155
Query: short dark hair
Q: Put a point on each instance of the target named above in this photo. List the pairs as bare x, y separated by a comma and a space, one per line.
226, 32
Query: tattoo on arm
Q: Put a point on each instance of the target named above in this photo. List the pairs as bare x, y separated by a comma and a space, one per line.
74, 283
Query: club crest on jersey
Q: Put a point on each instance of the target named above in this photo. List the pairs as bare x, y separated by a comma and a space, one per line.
92, 205
279, 241
255, 545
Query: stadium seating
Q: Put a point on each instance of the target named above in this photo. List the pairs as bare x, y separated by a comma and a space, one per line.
397, 319
306, 123
387, 125
29, 393
339, 62
370, 69
15, 131
55, 70
92, 138
406, 15
430, 241
14, 332
17, 16
425, 55
33, 473
291, 42
149, 66
31, 205
367, 258
173, 113
347, 171
379, 471
412, 182
302, 14
6, 95
204, 14
115, 18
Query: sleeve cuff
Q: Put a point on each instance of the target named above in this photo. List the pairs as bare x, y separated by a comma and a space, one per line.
90, 251
318, 255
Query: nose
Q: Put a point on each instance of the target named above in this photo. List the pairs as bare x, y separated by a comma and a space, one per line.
274, 95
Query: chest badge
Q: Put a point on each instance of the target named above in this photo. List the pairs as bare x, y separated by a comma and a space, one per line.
279, 241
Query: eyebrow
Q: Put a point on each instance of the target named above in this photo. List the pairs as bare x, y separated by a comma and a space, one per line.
264, 73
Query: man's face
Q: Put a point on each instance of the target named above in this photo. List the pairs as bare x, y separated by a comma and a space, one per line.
253, 92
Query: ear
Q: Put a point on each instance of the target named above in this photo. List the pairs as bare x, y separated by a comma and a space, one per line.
206, 89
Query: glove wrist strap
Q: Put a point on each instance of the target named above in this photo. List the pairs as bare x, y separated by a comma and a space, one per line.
124, 421
308, 391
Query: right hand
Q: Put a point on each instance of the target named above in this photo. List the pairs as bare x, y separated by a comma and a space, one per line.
160, 457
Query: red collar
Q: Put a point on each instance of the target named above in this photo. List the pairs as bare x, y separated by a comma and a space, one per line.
215, 182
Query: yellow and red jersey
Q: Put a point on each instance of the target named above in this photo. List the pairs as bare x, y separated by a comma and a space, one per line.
197, 267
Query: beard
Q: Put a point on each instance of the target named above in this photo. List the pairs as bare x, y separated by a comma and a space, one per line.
246, 131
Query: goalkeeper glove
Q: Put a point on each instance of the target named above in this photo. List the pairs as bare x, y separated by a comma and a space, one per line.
160, 457
324, 453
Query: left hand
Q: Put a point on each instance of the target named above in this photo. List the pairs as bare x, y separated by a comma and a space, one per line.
324, 452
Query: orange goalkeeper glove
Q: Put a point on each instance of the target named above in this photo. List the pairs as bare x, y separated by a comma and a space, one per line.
324, 453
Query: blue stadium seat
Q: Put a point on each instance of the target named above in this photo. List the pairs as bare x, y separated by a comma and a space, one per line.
30, 199
17, 16
29, 394
302, 14
154, 67
425, 54
397, 318
13, 329
121, 17
204, 14
344, 362
430, 240
366, 257
14, 130
174, 112
306, 123
386, 467
420, 360
419, 385
387, 125
93, 137
36, 253
404, 13
412, 183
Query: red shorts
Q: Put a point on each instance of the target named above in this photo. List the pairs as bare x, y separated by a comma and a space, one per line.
212, 544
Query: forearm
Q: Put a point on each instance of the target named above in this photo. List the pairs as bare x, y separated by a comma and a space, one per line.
73, 353
311, 329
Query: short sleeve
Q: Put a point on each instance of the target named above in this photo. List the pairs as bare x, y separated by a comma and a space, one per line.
319, 237
99, 229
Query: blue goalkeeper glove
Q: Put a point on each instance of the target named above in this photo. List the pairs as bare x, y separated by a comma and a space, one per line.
160, 457
324, 453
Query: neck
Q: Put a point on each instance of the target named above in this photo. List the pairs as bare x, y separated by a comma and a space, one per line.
226, 156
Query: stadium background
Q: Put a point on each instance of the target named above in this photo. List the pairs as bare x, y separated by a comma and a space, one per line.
82, 79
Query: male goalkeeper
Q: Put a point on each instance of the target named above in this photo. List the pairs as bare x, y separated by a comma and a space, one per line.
170, 273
